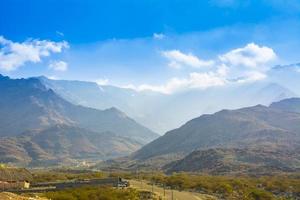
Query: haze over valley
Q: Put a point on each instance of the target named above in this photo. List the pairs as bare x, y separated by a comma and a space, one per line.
150, 100
188, 104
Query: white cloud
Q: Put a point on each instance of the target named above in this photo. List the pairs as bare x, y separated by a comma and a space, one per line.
252, 56
102, 81
252, 76
249, 63
171, 86
158, 36
205, 80
246, 64
194, 80
58, 65
178, 59
14, 55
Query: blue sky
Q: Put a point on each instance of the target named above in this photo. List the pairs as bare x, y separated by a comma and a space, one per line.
93, 20
161, 45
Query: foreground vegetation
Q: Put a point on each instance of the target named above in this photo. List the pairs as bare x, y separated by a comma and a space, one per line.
229, 187
66, 174
275, 187
93, 193
82, 193
282, 186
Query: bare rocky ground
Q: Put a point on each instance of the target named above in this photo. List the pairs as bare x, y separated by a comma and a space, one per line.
11, 196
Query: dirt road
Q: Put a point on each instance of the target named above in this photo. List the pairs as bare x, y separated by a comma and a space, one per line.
167, 195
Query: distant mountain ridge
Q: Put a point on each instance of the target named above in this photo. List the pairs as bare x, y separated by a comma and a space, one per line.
242, 127
257, 138
143, 106
27, 106
290, 105
287, 76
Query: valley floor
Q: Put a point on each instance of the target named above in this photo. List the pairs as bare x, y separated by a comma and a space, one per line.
178, 195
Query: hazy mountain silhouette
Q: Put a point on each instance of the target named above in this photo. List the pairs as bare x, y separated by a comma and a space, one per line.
26, 105
174, 109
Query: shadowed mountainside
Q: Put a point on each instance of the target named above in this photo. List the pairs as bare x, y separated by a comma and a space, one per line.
63, 144
251, 140
237, 161
252, 126
27, 106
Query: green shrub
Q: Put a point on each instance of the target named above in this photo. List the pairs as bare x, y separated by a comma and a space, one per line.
260, 195
232, 187
93, 193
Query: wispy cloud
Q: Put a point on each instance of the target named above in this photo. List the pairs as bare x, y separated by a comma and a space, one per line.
159, 36
60, 33
194, 80
58, 65
177, 59
14, 54
251, 76
104, 81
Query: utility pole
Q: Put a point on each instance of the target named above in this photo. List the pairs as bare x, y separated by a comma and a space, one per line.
141, 179
152, 182
172, 194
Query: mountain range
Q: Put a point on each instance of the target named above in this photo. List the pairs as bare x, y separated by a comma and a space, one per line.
242, 127
37, 125
174, 109
252, 139
47, 122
